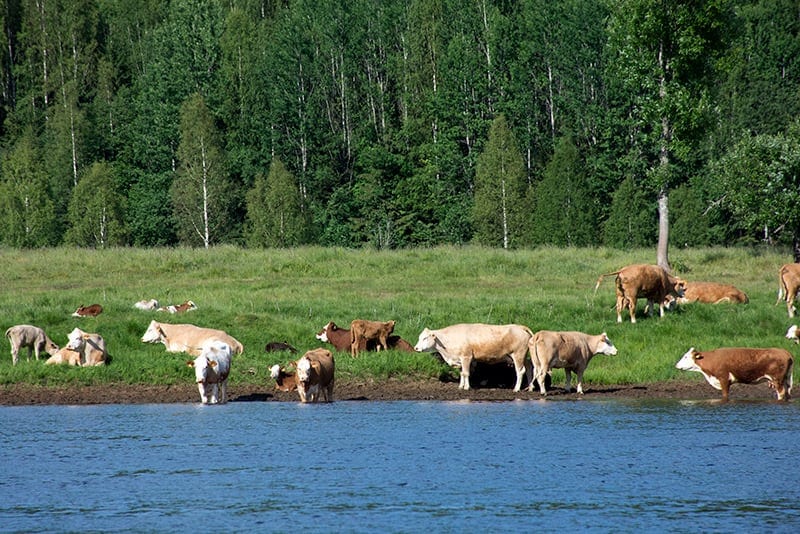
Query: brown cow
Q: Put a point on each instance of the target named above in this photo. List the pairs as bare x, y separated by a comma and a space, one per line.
361, 329
93, 310
315, 375
340, 339
284, 381
711, 293
789, 285
643, 281
179, 308
726, 366
568, 350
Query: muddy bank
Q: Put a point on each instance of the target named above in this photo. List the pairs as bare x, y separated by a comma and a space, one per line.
433, 390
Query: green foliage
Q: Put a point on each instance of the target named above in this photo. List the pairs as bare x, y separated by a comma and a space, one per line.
274, 210
564, 214
499, 187
95, 210
631, 222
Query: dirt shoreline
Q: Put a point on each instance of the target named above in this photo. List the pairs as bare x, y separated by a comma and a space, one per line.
389, 390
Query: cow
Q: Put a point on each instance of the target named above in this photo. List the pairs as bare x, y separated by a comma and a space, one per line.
93, 310
179, 308
726, 366
284, 381
211, 370
277, 346
711, 293
315, 375
340, 339
643, 281
793, 333
146, 305
789, 285
91, 347
571, 351
461, 344
65, 355
368, 330
187, 337
32, 337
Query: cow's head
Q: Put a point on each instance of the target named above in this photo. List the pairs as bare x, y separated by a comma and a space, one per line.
689, 361
76, 339
793, 333
203, 367
154, 333
322, 335
426, 342
303, 367
605, 346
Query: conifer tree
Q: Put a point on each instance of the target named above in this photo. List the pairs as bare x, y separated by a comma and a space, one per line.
274, 210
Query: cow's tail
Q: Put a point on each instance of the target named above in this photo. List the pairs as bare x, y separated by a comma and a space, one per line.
781, 287
8, 333
601, 279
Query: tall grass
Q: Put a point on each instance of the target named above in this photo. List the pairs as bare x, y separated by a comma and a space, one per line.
288, 295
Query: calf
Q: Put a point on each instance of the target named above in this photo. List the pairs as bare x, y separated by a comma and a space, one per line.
789, 285
93, 310
315, 375
179, 308
340, 339
211, 369
726, 366
91, 347
32, 337
367, 330
712, 293
146, 305
793, 333
568, 350
277, 346
65, 355
643, 281
284, 381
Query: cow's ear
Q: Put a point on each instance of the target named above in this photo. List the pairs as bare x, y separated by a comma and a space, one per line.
213, 363
190, 363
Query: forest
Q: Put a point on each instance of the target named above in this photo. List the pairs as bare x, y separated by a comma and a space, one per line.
399, 123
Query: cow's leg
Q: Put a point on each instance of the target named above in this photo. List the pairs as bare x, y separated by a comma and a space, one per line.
519, 367
14, 353
466, 363
541, 377
579, 374
223, 391
201, 388
620, 307
724, 386
568, 383
632, 307
661, 309
790, 305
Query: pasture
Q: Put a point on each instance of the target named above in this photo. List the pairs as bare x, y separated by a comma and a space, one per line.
260, 296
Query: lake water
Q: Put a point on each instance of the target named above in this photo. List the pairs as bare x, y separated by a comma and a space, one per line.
604, 466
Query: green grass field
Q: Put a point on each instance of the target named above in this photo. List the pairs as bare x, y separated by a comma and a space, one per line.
260, 296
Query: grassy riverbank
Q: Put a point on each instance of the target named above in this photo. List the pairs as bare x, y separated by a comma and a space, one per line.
288, 295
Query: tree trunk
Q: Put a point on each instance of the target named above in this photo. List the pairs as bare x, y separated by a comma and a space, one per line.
662, 252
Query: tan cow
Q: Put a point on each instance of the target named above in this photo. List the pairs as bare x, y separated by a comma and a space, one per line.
643, 281
91, 347
712, 293
316, 375
568, 350
32, 337
789, 285
461, 344
65, 355
187, 337
368, 330
726, 366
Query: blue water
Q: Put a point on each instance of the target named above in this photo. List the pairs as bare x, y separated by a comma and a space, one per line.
605, 466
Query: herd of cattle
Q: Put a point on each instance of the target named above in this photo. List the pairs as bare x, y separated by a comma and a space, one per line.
459, 345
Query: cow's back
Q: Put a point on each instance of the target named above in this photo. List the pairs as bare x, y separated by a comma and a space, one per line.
484, 340
191, 338
644, 279
748, 364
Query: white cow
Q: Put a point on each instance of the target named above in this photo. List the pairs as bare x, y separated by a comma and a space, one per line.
460, 344
146, 305
568, 350
187, 337
33, 337
316, 375
211, 371
92, 347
